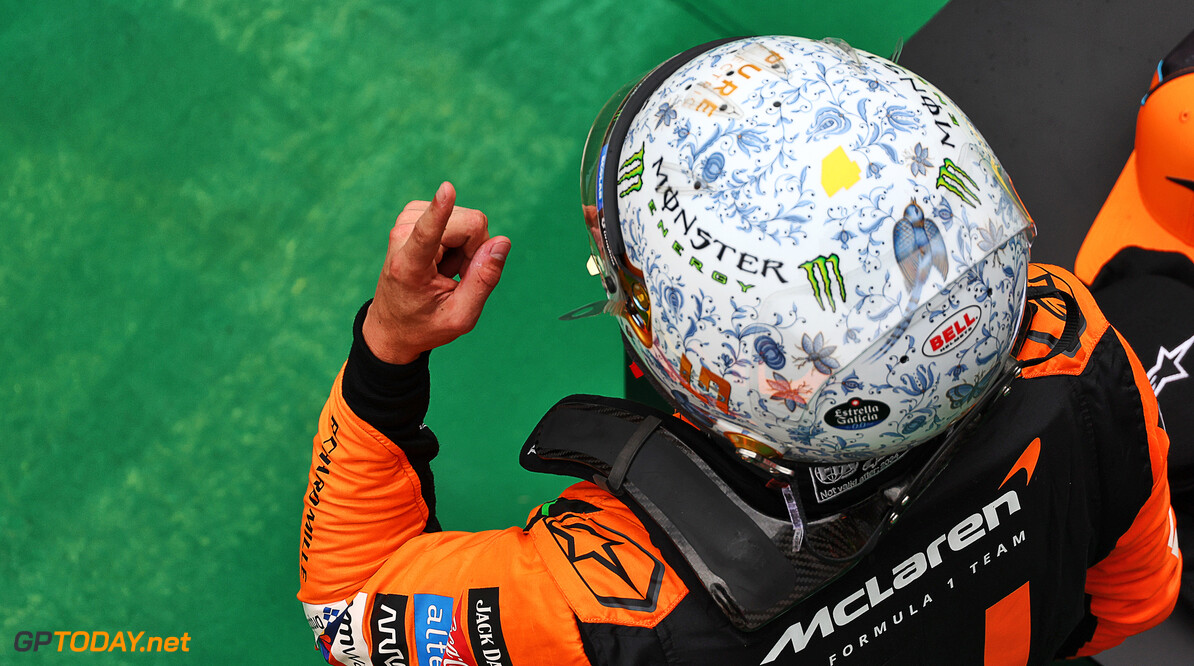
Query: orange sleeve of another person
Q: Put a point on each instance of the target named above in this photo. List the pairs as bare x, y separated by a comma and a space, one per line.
1135, 587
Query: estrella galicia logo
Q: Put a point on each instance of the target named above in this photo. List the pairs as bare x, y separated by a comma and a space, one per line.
619, 572
857, 414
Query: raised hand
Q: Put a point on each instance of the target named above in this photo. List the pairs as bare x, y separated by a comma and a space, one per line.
419, 305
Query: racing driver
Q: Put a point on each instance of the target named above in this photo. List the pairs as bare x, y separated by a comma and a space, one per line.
895, 440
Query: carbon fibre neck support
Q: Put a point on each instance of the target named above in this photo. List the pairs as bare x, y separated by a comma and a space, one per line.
744, 558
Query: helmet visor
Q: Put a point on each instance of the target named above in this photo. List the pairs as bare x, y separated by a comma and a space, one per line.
605, 137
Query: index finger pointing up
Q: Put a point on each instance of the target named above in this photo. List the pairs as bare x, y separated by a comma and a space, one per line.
422, 246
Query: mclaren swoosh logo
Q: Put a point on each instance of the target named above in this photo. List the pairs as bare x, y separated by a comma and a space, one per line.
1026, 462
1188, 184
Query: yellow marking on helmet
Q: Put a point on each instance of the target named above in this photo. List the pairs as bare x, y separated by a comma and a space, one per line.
839, 172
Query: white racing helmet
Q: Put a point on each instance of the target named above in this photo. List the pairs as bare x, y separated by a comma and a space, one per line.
812, 252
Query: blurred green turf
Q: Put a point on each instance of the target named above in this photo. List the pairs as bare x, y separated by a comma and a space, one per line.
194, 201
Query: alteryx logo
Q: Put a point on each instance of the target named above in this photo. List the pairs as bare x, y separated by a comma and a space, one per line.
433, 627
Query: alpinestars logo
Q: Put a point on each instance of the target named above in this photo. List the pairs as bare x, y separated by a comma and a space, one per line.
619, 572
1168, 367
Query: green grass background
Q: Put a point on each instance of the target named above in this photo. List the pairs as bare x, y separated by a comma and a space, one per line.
194, 201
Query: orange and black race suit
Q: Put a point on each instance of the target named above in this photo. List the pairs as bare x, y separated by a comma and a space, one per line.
1149, 297
1049, 534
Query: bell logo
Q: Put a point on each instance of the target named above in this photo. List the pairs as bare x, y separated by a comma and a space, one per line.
953, 331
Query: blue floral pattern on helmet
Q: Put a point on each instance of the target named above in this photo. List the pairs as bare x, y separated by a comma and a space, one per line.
832, 253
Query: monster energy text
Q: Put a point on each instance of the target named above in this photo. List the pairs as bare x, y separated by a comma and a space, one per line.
703, 241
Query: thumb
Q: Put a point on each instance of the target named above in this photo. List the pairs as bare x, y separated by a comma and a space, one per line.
481, 276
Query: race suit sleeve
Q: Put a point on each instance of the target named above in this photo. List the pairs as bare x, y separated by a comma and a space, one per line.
1134, 586
380, 584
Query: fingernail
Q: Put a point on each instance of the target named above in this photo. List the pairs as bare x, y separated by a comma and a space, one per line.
441, 193
500, 250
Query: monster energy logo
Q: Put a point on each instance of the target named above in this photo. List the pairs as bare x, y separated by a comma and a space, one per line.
817, 271
635, 174
953, 178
